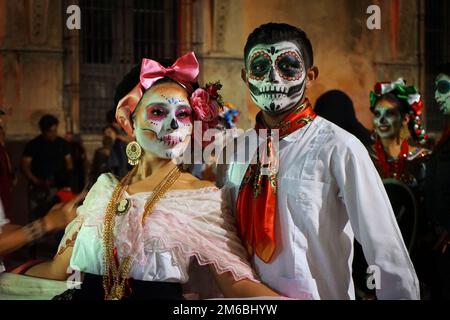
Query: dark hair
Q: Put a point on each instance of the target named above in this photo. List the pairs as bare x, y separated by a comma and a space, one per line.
128, 82
336, 106
444, 69
401, 104
47, 121
110, 127
276, 32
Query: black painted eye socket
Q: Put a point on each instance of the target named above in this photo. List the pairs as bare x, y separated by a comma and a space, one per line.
289, 66
260, 65
443, 86
392, 113
377, 113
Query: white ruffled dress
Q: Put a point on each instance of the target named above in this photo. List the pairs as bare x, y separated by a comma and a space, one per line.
184, 224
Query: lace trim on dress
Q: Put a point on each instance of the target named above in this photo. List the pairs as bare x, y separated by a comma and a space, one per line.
187, 223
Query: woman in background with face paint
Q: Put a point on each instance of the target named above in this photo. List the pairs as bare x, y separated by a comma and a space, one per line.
397, 109
438, 192
397, 154
135, 238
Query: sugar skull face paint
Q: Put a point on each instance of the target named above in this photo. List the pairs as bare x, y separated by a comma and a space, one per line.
387, 119
442, 93
163, 120
276, 75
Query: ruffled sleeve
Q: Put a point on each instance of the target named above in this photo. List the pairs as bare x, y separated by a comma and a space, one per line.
105, 183
206, 230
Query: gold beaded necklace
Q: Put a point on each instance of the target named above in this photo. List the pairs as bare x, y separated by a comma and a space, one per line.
115, 274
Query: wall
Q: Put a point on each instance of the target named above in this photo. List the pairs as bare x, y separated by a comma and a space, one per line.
349, 56
31, 63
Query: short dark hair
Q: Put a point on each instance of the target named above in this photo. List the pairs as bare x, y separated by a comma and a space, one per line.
276, 32
110, 127
47, 121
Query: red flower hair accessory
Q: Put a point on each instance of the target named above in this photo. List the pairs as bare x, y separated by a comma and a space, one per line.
207, 103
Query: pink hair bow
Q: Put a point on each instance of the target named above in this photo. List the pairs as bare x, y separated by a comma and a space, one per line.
184, 71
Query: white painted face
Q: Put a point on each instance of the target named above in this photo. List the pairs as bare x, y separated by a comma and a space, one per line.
442, 93
162, 120
387, 120
276, 76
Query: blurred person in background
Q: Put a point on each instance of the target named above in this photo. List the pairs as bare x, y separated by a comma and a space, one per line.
437, 188
337, 107
117, 160
102, 154
45, 161
79, 160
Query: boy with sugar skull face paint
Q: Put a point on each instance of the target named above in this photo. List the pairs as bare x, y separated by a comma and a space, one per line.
298, 222
276, 76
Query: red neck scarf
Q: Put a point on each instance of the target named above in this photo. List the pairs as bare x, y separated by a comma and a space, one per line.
256, 203
394, 170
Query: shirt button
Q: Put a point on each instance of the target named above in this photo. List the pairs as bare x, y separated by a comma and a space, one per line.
302, 196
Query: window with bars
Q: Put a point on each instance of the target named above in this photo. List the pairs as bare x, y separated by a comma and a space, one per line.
154, 29
115, 36
437, 39
97, 31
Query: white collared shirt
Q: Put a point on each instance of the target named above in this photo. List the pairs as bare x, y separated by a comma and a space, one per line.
328, 192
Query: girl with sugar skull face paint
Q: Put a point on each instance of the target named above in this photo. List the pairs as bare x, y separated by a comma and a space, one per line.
163, 120
157, 217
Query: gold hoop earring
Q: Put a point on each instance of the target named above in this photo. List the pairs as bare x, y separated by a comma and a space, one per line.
134, 153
